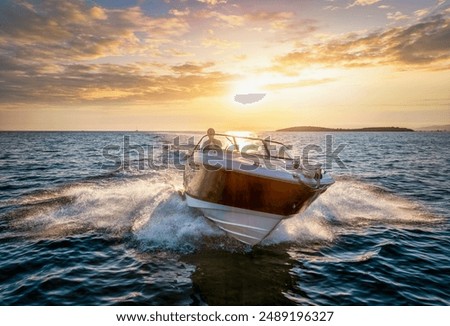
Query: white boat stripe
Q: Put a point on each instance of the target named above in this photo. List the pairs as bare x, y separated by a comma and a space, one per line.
239, 234
235, 224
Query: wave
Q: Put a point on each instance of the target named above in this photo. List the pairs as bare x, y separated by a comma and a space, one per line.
149, 208
351, 206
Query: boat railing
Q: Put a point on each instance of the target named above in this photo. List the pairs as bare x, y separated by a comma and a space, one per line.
246, 143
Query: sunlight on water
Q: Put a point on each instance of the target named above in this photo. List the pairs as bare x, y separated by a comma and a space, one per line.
355, 256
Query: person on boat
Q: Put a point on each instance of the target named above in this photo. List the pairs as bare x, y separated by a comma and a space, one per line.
211, 142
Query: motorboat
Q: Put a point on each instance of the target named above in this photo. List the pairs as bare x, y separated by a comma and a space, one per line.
248, 185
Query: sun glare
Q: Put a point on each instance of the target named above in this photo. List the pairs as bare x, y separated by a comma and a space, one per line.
242, 142
247, 86
238, 133
265, 83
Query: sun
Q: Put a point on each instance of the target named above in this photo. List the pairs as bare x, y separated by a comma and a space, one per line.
264, 83
254, 89
248, 91
249, 85
259, 83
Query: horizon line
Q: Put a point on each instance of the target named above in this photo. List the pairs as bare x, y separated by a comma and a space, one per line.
199, 131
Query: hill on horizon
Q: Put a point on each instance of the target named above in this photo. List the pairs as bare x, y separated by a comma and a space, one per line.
311, 128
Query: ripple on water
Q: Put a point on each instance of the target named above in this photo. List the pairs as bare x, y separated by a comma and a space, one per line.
72, 234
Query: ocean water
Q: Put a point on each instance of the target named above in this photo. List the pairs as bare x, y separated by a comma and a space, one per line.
95, 218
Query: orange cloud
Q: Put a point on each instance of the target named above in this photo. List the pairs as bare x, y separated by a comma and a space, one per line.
422, 45
190, 68
212, 41
82, 83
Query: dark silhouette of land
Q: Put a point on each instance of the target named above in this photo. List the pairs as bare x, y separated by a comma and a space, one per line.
309, 128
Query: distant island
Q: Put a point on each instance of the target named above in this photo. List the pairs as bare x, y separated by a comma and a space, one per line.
309, 128
435, 128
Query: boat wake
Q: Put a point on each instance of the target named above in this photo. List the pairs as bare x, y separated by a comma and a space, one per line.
148, 209
351, 206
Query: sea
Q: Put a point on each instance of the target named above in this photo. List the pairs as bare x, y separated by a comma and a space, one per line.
98, 218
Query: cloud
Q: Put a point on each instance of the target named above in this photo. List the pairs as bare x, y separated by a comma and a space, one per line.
240, 57
397, 16
46, 46
57, 52
73, 30
191, 68
227, 20
423, 45
425, 42
276, 20
299, 83
176, 12
212, 41
212, 2
331, 8
363, 3
421, 12
84, 84
175, 52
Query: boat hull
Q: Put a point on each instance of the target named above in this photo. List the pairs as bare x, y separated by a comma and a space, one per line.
245, 225
247, 204
248, 190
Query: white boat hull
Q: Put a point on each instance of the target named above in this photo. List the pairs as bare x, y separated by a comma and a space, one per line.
247, 226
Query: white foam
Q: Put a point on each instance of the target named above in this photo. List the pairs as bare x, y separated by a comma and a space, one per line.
310, 227
350, 206
173, 225
106, 205
149, 208
352, 201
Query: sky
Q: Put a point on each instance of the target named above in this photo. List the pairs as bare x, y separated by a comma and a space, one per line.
182, 64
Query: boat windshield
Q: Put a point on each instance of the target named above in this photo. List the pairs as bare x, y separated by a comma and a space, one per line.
265, 148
